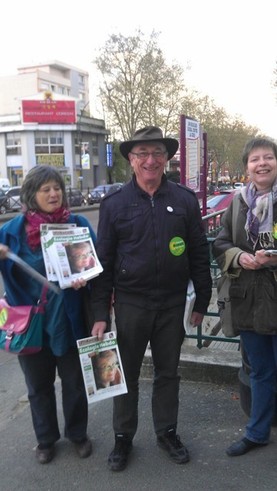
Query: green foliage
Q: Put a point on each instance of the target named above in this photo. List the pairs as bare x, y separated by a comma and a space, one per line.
121, 170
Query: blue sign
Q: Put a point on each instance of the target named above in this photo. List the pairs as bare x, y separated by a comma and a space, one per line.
109, 154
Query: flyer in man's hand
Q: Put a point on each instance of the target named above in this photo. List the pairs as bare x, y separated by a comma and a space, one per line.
69, 254
101, 367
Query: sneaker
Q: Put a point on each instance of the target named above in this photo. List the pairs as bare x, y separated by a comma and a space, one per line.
118, 458
45, 453
242, 447
83, 448
174, 447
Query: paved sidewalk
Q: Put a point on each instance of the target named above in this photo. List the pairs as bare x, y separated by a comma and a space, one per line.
210, 419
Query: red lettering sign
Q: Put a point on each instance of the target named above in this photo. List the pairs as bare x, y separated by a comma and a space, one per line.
49, 111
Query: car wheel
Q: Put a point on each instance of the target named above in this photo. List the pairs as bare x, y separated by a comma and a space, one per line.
3, 210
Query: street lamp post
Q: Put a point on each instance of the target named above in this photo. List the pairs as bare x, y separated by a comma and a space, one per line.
81, 144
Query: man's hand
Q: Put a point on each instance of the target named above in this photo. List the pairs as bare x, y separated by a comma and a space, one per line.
196, 319
98, 329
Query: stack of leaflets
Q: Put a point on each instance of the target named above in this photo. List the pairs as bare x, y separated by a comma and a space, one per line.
68, 253
101, 367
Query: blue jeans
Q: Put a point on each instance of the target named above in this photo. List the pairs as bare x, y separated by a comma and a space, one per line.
261, 351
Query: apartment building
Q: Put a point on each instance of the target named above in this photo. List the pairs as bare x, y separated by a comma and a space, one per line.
45, 118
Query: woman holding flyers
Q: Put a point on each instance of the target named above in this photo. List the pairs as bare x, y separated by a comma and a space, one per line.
44, 200
251, 263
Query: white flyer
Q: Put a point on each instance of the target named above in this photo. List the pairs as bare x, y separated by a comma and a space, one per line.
101, 367
71, 254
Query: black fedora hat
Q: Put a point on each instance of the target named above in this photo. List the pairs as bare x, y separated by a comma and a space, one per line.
147, 135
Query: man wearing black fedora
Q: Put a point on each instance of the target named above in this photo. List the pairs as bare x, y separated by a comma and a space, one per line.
150, 242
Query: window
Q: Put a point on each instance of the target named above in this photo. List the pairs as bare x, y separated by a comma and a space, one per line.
44, 86
13, 144
49, 142
94, 145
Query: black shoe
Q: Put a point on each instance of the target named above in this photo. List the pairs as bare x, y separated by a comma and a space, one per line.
173, 445
118, 458
45, 453
83, 448
242, 447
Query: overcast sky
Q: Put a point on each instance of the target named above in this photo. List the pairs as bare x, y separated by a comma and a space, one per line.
228, 48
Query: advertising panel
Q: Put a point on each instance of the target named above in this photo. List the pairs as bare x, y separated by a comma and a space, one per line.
193, 157
48, 111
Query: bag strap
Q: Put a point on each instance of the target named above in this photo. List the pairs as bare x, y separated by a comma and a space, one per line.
43, 297
235, 214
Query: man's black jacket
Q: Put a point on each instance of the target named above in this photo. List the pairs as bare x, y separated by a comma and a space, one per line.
149, 248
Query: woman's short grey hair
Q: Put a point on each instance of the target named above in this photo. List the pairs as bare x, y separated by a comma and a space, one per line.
36, 177
258, 143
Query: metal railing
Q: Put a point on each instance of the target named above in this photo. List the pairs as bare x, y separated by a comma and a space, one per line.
212, 224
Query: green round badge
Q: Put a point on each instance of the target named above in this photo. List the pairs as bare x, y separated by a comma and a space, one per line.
177, 246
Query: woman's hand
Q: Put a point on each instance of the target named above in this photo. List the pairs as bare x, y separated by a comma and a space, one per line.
79, 283
257, 261
263, 260
3, 251
248, 261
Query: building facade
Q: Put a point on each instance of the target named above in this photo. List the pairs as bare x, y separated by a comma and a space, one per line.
45, 119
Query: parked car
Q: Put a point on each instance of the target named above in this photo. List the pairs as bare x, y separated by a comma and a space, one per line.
238, 185
115, 187
96, 194
2, 200
5, 184
10, 200
75, 197
218, 203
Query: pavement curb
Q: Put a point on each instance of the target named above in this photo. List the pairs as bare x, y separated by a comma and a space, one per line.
202, 365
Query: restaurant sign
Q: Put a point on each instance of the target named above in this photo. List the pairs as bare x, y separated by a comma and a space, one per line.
48, 111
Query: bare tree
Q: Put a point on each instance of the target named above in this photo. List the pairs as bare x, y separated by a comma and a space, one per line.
138, 88
226, 135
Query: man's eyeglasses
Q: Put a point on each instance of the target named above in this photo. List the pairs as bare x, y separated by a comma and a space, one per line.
144, 155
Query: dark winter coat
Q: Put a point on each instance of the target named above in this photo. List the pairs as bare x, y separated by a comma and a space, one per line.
253, 293
149, 248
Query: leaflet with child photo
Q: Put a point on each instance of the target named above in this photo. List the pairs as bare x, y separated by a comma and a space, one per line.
101, 367
44, 229
71, 254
